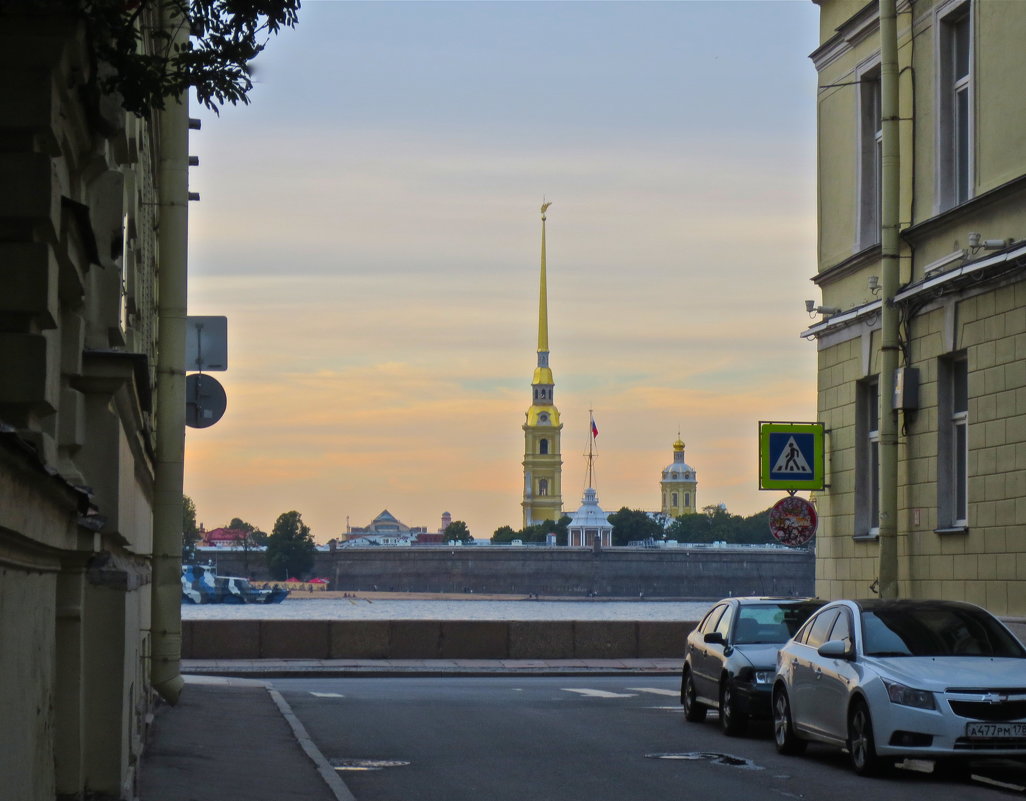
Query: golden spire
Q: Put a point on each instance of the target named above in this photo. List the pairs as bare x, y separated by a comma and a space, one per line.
543, 304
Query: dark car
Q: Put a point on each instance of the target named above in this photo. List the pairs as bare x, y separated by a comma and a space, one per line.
731, 656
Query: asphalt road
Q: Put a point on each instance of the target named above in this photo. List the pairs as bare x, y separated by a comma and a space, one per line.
583, 738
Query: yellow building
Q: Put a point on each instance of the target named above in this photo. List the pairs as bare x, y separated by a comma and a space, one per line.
543, 464
921, 332
90, 470
679, 485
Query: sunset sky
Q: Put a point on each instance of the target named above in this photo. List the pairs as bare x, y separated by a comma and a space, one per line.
369, 225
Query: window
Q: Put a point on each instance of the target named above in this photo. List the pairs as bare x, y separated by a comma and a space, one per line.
955, 115
953, 443
711, 619
543, 486
674, 504
820, 629
723, 625
842, 629
687, 499
870, 158
543, 446
867, 459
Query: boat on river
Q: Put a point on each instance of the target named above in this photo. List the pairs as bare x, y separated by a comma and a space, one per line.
202, 585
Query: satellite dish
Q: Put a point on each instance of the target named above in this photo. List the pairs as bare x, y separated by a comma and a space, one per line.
205, 400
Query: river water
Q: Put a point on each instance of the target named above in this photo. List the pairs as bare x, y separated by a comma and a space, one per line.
368, 609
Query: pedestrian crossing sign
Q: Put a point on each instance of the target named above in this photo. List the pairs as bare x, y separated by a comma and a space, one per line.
791, 456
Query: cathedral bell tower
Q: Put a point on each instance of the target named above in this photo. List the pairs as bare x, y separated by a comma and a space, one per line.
543, 499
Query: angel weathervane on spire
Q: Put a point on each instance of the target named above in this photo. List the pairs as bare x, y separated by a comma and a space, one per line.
545, 205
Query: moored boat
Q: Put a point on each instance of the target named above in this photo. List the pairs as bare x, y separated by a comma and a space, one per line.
201, 585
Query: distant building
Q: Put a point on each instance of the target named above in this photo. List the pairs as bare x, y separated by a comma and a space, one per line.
589, 523
679, 485
223, 538
385, 529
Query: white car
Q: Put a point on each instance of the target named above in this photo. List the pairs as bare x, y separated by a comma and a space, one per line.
937, 680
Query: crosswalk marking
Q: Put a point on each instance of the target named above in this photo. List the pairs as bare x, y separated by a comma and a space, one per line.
598, 693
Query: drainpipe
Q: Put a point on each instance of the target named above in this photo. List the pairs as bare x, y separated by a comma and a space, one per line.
166, 622
889, 246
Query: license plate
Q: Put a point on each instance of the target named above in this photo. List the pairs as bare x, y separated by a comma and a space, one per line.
995, 730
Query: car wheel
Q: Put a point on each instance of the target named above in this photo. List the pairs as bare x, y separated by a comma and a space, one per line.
732, 720
861, 745
693, 711
787, 741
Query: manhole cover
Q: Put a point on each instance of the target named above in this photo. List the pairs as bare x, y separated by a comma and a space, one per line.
710, 756
367, 764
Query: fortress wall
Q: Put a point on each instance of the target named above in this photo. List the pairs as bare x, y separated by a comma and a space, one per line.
621, 572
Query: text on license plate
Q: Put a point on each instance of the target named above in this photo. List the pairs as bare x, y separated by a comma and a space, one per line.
995, 729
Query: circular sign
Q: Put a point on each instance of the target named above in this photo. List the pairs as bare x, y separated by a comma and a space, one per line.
205, 400
793, 521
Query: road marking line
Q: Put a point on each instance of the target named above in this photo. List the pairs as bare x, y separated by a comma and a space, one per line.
327, 695
655, 691
598, 693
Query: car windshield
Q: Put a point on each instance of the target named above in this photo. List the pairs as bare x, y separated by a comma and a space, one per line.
771, 623
935, 630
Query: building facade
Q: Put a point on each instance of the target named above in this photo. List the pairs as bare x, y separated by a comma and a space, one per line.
543, 463
679, 485
953, 157
84, 616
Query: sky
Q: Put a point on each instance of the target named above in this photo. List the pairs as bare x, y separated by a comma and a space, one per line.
370, 226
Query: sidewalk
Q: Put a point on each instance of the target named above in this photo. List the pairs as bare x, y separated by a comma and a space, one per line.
231, 736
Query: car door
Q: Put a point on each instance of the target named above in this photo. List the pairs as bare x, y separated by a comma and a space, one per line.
806, 671
709, 658
832, 678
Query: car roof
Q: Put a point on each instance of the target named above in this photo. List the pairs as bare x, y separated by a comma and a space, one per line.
769, 599
909, 604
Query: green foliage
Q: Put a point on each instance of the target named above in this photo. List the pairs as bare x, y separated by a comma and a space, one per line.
255, 538
633, 525
225, 36
190, 531
458, 530
716, 524
537, 533
290, 548
504, 534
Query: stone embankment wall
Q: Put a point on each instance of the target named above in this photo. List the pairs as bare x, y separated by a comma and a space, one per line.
431, 639
619, 572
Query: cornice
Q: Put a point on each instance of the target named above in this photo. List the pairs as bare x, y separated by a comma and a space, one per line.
850, 265
916, 233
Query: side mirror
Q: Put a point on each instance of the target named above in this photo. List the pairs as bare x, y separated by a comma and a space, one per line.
714, 637
835, 649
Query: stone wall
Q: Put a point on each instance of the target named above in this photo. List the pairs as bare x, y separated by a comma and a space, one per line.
432, 639
620, 572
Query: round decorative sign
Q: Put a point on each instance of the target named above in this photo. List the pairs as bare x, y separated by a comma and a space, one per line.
793, 521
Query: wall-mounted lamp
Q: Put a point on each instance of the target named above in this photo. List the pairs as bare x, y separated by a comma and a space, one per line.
813, 309
976, 241
874, 284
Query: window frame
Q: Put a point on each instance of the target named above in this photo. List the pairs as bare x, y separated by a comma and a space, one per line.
953, 443
869, 157
956, 119
867, 459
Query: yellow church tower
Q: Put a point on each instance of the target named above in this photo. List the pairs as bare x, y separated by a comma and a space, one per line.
543, 499
679, 485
